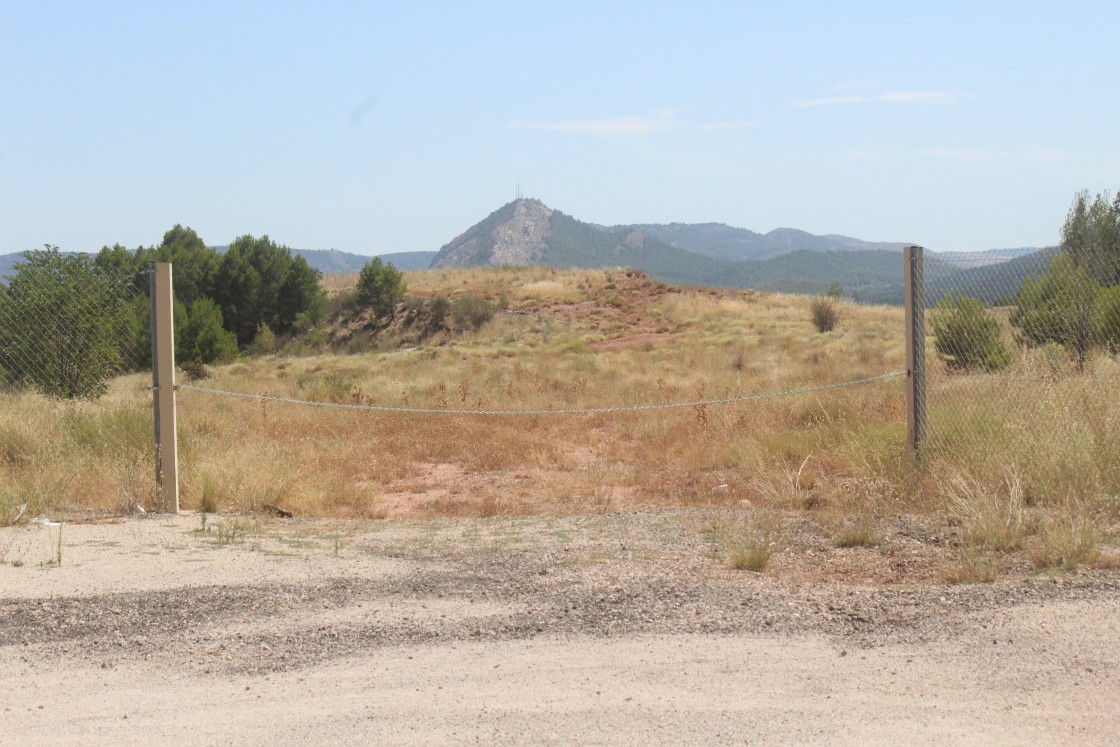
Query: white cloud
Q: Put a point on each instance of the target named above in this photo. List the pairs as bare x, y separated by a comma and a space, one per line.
919, 97
652, 124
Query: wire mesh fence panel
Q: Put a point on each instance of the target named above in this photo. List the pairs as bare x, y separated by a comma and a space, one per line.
1022, 360
75, 356
68, 326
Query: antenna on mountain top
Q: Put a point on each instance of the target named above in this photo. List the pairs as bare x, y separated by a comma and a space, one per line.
519, 190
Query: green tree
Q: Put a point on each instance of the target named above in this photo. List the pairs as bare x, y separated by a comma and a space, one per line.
967, 337
195, 264
380, 287
1091, 236
259, 282
62, 323
302, 304
1064, 307
237, 288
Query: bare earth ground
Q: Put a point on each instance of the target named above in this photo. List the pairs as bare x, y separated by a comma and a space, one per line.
622, 628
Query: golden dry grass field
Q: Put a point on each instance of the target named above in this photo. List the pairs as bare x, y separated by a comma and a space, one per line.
1025, 462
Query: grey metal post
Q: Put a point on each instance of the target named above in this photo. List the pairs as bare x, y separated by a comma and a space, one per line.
915, 300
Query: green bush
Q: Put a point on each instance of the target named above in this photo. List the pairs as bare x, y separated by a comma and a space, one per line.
438, 309
967, 336
205, 339
264, 342
472, 312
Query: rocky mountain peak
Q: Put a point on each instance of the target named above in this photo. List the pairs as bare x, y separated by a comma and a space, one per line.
514, 234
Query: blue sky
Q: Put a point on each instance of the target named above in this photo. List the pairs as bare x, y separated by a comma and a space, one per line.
380, 127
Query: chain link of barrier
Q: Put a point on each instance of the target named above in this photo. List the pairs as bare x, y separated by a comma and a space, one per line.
67, 325
1024, 346
561, 411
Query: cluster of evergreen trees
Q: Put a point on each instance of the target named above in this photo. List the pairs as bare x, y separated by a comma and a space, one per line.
222, 300
67, 322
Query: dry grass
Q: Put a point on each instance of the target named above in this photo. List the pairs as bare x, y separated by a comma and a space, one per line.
747, 543
992, 520
860, 533
598, 339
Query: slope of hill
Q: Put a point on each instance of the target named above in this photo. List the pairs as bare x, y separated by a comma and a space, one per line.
988, 257
721, 241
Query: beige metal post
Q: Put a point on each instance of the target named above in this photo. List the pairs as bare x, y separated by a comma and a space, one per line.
914, 274
163, 328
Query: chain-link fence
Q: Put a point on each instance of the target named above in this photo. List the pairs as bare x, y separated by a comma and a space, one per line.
1022, 362
68, 326
75, 357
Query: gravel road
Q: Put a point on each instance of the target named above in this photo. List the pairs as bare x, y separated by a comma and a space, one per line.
619, 629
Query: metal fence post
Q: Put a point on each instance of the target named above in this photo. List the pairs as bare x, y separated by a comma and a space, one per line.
163, 386
915, 301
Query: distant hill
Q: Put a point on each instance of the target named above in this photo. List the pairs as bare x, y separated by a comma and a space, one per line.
994, 283
7, 262
989, 257
329, 261
332, 261
526, 231
721, 241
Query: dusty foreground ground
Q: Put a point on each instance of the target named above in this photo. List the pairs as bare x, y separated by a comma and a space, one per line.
620, 629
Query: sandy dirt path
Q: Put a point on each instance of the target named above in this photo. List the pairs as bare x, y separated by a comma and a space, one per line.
614, 630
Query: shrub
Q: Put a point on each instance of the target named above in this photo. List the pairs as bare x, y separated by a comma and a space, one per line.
264, 342
343, 303
438, 309
472, 312
824, 313
205, 339
195, 371
967, 336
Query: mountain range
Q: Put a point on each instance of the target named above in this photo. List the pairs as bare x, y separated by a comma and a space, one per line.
526, 231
